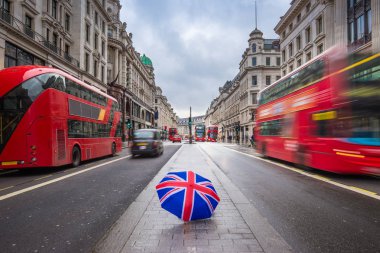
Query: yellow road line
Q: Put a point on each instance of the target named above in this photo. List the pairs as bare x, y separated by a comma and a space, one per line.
12, 194
320, 178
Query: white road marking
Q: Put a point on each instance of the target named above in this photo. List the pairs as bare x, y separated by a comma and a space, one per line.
12, 194
321, 178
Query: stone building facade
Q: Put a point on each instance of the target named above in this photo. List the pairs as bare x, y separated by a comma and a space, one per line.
165, 116
86, 39
234, 110
309, 27
45, 33
259, 67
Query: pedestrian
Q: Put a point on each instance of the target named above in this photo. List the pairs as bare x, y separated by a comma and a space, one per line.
252, 139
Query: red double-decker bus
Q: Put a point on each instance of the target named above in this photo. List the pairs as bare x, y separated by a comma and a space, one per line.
49, 118
324, 115
212, 133
200, 132
172, 131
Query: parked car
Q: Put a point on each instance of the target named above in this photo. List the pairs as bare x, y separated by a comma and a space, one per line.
147, 142
176, 138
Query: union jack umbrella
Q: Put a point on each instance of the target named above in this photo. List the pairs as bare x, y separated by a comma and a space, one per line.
187, 195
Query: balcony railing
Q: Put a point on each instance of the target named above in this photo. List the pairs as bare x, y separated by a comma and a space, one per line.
22, 28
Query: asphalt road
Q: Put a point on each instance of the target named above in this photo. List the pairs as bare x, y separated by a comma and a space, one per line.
72, 214
311, 215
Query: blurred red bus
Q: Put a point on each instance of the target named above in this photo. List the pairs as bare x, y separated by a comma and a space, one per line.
324, 115
212, 133
172, 131
49, 118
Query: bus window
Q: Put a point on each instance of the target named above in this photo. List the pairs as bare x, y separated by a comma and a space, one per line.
324, 121
288, 125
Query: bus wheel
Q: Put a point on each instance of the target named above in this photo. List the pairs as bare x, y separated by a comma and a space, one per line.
301, 158
76, 156
113, 150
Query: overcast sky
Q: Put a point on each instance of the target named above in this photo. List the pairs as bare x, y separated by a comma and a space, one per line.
196, 45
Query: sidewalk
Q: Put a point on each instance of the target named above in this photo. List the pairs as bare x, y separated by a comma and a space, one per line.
236, 225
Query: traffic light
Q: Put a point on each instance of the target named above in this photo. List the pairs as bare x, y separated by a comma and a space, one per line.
129, 124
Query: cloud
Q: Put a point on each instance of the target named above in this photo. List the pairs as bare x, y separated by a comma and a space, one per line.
196, 45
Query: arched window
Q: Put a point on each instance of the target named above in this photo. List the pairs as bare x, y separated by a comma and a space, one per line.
254, 47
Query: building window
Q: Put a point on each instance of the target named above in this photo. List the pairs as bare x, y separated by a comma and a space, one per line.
308, 56
290, 27
351, 3
267, 61
298, 43
110, 32
278, 78
254, 80
254, 47
103, 47
290, 68
86, 62
267, 80
319, 25
96, 37
283, 56
95, 68
290, 50
67, 22
299, 62
254, 61
55, 40
284, 72
320, 49
87, 32
28, 21
67, 49
308, 6
102, 73
47, 34
298, 18
54, 9
7, 5
359, 22
103, 27
15, 56
96, 18
308, 34
278, 61
88, 7
254, 98
360, 27
283, 34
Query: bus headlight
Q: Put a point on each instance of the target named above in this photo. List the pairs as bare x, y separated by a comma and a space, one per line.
33, 159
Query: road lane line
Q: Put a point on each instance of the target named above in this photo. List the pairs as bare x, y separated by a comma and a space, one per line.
12, 194
42, 177
320, 178
6, 188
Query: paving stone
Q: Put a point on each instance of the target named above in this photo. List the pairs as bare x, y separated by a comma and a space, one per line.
195, 242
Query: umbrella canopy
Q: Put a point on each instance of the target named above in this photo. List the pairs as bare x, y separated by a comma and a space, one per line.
187, 195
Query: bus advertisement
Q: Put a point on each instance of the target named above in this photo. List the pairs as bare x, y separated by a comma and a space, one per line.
172, 131
200, 133
49, 118
324, 115
212, 133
